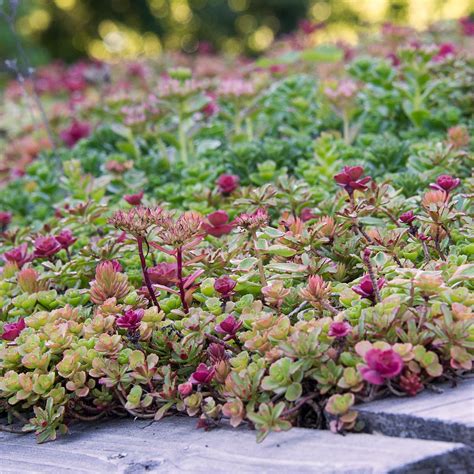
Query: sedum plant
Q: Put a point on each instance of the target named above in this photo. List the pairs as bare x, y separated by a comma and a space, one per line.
264, 250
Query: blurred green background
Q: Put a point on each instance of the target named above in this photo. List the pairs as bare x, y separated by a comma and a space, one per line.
110, 29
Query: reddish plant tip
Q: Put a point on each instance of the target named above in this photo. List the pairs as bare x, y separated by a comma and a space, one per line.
225, 286
65, 238
445, 183
407, 217
365, 287
130, 320
5, 218
350, 178
134, 199
217, 224
18, 255
163, 273
229, 326
46, 247
75, 132
202, 375
227, 183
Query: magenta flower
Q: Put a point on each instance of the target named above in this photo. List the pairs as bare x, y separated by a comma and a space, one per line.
307, 214
445, 50
134, 199
185, 389
407, 217
308, 27
18, 255
381, 365
467, 26
350, 179
229, 326
228, 183
65, 238
202, 374
218, 224
131, 319
225, 285
445, 183
12, 330
366, 289
5, 218
163, 273
339, 329
212, 107
46, 247
75, 132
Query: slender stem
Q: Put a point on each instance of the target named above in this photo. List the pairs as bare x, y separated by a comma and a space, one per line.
143, 416
391, 217
29, 73
426, 252
329, 307
299, 308
261, 269
146, 277
438, 246
249, 124
183, 145
78, 416
182, 293
11, 429
370, 271
221, 342
346, 128
299, 404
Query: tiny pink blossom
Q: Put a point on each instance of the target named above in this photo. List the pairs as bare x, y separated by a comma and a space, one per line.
46, 247
18, 255
163, 273
5, 218
185, 389
407, 217
365, 287
229, 326
202, 374
75, 132
381, 365
12, 330
339, 329
131, 319
228, 183
134, 199
65, 238
225, 286
350, 178
445, 183
217, 224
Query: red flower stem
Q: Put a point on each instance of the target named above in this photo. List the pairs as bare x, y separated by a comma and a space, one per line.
179, 260
145, 273
370, 271
216, 340
426, 252
301, 402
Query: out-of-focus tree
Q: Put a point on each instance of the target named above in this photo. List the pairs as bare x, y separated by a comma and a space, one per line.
104, 29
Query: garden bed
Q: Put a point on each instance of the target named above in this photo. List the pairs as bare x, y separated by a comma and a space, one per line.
267, 249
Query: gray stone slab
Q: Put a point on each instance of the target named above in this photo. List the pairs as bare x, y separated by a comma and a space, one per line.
174, 445
448, 416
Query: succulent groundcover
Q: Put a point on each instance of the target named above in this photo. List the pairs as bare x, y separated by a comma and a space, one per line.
265, 242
